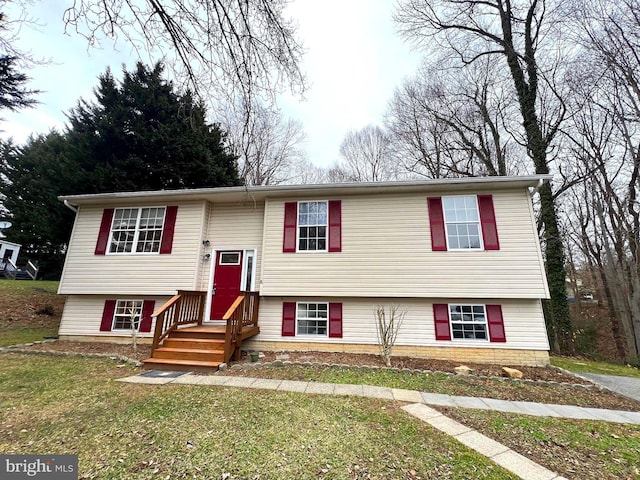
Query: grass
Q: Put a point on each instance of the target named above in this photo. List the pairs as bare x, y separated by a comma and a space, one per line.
448, 384
119, 430
574, 448
22, 286
30, 310
590, 366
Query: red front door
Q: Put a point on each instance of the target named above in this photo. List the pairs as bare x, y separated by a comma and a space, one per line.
226, 282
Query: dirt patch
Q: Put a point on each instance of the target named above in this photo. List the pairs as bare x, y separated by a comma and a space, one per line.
143, 351
36, 308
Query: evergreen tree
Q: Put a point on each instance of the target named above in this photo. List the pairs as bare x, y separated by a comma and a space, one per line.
142, 135
139, 134
32, 177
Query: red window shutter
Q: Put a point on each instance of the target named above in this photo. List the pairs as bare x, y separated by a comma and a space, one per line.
488, 222
105, 229
169, 227
147, 312
496, 323
335, 225
107, 315
290, 226
288, 319
441, 321
436, 222
335, 320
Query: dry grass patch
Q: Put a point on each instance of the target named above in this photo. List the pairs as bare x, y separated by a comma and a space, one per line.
580, 449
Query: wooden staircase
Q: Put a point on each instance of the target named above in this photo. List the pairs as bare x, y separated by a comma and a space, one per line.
182, 342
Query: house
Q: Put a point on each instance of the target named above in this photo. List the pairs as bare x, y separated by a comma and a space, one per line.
9, 252
204, 272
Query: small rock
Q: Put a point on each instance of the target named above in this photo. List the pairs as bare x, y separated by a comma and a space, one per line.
260, 355
463, 370
282, 356
512, 372
222, 367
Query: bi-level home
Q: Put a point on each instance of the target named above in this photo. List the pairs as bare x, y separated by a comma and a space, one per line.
201, 273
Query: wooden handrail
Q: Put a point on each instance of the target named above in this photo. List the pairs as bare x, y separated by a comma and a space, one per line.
184, 308
243, 312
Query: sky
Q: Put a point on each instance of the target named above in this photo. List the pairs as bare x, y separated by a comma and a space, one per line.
353, 62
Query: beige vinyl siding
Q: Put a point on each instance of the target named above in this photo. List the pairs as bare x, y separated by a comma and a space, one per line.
83, 313
523, 322
205, 269
238, 227
150, 274
386, 252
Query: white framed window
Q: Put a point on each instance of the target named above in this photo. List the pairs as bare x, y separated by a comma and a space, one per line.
312, 226
312, 319
136, 230
125, 312
462, 222
229, 258
468, 322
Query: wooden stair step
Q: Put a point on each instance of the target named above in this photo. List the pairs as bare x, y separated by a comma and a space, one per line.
197, 343
174, 364
188, 354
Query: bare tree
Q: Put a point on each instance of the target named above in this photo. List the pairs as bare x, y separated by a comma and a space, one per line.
606, 146
240, 48
514, 34
367, 156
453, 123
267, 145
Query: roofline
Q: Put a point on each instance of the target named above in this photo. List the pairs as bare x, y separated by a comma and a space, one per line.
263, 191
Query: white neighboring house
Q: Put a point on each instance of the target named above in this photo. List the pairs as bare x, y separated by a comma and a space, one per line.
204, 272
9, 251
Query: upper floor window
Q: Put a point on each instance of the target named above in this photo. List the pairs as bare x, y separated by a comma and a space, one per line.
462, 222
136, 230
312, 226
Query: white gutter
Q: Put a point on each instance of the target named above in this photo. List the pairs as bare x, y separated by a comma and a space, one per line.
73, 208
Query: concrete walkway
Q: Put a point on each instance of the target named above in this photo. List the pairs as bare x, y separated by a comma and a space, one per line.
627, 386
418, 401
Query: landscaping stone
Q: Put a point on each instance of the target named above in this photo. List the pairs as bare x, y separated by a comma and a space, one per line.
512, 372
463, 370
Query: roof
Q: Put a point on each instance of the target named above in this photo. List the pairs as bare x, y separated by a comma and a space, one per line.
255, 193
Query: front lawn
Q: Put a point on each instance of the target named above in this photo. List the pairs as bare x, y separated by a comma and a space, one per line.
119, 430
590, 366
579, 449
29, 311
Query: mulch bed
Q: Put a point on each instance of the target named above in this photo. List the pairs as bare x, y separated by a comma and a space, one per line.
144, 351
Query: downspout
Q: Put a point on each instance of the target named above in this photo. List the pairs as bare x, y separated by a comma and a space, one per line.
73, 208
533, 192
